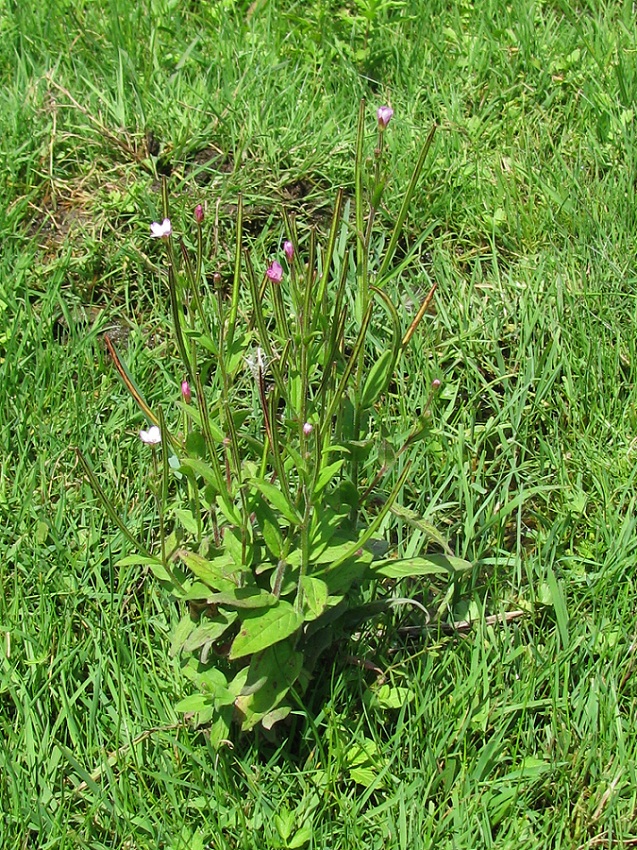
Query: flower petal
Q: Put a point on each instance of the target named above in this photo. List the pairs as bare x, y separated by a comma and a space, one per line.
151, 437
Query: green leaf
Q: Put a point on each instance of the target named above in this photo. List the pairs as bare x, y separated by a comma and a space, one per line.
228, 510
137, 561
378, 378
424, 565
239, 551
277, 499
363, 761
41, 532
185, 626
216, 573
214, 683
387, 697
326, 475
378, 520
196, 445
200, 468
161, 574
269, 526
187, 521
197, 592
193, 703
274, 716
219, 730
209, 630
214, 690
315, 596
416, 521
302, 836
340, 578
261, 629
244, 597
321, 554
270, 676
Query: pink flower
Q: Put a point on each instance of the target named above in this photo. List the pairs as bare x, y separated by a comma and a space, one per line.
161, 231
151, 437
384, 114
288, 249
275, 272
435, 384
185, 392
198, 213
307, 429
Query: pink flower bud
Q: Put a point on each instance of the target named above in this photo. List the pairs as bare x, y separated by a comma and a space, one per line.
384, 114
436, 383
198, 213
288, 249
185, 392
275, 272
307, 429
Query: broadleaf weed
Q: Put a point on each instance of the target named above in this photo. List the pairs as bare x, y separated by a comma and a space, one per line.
268, 486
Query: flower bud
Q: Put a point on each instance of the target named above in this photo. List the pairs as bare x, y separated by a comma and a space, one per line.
436, 383
384, 114
288, 249
198, 213
185, 392
275, 272
307, 429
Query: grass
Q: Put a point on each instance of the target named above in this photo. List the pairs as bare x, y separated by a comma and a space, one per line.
519, 734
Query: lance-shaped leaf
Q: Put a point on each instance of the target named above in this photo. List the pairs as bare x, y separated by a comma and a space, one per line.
261, 629
244, 598
315, 593
425, 565
378, 379
277, 499
215, 573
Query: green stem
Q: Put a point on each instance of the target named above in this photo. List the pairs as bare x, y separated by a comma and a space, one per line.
236, 281
362, 294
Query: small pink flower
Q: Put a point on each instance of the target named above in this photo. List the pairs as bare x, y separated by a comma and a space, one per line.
185, 392
435, 384
161, 231
384, 114
307, 429
288, 249
151, 437
275, 272
198, 213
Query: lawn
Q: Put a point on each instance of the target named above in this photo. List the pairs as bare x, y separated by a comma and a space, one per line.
517, 732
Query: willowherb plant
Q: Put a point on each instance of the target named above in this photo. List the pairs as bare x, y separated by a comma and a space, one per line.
267, 551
